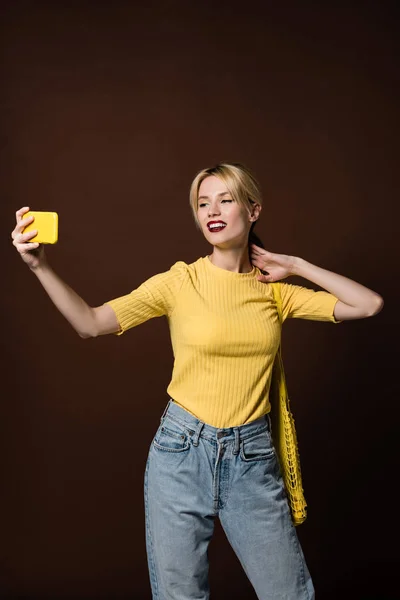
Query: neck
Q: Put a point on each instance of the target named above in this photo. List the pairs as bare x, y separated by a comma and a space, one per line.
232, 259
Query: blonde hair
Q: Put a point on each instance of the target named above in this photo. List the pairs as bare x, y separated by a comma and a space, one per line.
241, 183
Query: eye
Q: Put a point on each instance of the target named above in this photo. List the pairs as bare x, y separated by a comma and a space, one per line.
227, 200
202, 204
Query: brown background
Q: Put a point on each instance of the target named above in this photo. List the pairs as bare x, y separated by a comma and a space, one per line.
108, 111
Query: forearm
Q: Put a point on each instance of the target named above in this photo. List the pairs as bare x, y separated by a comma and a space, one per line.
348, 291
69, 303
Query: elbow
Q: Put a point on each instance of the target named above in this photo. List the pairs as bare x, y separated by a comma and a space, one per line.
90, 329
85, 335
88, 333
376, 306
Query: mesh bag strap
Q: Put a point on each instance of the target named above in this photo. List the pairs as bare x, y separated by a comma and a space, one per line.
284, 431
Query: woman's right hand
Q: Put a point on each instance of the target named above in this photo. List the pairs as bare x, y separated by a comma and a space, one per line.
32, 253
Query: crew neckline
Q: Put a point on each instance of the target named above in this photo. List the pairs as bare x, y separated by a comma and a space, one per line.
222, 271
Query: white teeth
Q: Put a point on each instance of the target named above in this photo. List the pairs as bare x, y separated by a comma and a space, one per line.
215, 225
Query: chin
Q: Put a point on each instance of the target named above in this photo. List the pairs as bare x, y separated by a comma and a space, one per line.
223, 244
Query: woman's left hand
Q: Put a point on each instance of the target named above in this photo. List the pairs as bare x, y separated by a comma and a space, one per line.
278, 266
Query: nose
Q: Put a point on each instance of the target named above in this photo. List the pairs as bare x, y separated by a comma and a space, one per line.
213, 209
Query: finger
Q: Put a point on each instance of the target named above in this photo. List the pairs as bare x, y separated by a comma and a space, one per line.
257, 253
31, 246
28, 235
257, 260
22, 238
265, 278
25, 221
22, 223
19, 228
19, 214
260, 251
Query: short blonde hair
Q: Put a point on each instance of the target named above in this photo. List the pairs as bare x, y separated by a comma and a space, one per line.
240, 182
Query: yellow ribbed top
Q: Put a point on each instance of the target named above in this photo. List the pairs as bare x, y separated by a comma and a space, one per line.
225, 332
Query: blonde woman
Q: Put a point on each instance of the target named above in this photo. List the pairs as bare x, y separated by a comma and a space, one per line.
213, 455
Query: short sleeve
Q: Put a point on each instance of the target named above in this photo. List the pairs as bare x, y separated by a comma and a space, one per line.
153, 298
304, 303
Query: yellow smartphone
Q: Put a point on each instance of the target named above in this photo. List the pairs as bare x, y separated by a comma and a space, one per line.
46, 224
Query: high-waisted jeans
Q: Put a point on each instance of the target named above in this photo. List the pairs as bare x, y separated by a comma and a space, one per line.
195, 472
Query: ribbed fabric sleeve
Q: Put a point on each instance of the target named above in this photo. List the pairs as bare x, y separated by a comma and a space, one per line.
225, 332
154, 298
304, 303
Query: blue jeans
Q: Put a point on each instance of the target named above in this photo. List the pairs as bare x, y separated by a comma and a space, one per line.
195, 472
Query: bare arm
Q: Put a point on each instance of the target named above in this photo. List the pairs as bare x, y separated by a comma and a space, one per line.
355, 301
86, 320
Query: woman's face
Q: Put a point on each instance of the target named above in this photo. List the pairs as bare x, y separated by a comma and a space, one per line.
223, 221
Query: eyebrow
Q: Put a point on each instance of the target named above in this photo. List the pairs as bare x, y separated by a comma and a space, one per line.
220, 194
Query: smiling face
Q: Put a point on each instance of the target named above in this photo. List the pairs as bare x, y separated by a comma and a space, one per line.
223, 220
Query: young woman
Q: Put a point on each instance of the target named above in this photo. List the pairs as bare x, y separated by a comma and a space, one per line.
213, 454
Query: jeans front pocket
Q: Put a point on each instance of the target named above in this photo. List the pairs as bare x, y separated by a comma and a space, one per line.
171, 437
257, 447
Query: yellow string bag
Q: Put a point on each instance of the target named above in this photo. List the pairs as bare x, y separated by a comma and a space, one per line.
284, 431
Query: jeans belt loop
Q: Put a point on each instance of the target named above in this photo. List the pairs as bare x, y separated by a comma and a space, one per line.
197, 433
237, 441
165, 411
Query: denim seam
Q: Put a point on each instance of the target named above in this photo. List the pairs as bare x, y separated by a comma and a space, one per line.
259, 458
152, 566
293, 532
263, 429
185, 448
170, 432
302, 574
215, 482
226, 482
179, 422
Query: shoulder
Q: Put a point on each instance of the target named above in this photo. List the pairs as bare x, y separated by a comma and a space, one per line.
291, 288
291, 292
192, 270
180, 264
179, 267
179, 270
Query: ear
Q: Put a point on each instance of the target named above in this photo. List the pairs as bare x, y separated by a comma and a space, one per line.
255, 212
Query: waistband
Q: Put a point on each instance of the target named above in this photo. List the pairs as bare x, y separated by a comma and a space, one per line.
199, 428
